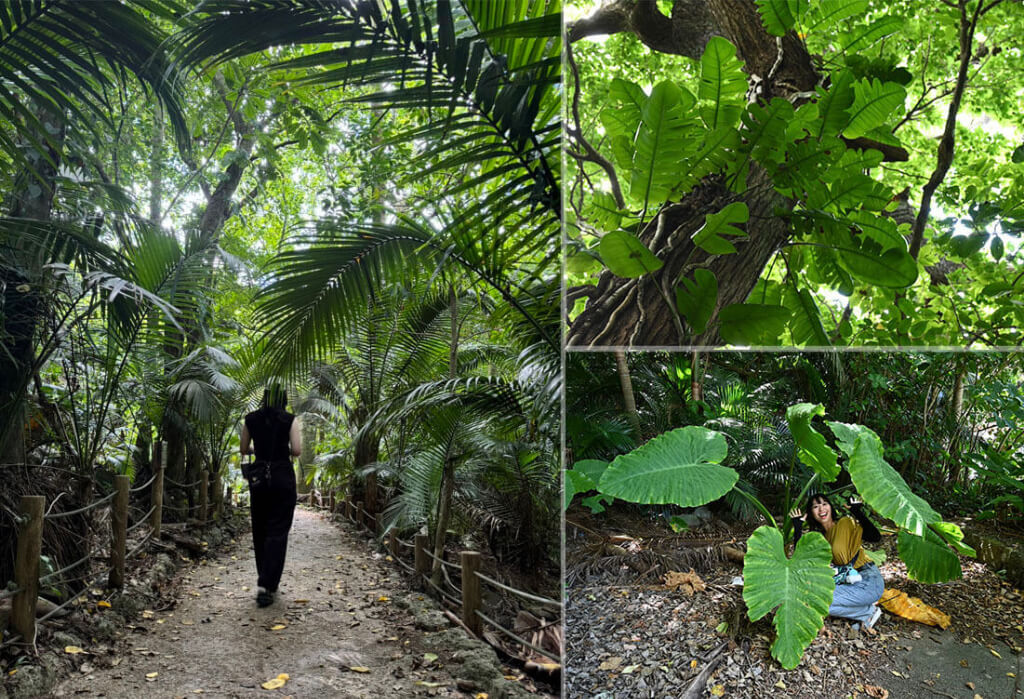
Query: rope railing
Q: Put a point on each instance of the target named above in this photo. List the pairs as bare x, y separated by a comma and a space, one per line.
140, 488
11, 641
59, 608
144, 519
141, 544
59, 515
9, 593
176, 484
491, 622
471, 600
525, 595
66, 568
32, 518
443, 562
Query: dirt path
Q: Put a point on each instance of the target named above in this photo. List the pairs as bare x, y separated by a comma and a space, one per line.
341, 627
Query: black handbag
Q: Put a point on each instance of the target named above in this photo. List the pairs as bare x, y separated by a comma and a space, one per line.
256, 472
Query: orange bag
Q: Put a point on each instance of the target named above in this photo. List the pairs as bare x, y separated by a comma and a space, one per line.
912, 608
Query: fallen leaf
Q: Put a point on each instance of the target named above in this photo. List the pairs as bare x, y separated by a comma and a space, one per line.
302, 601
359, 668
73, 650
693, 663
187, 622
480, 695
994, 653
431, 685
970, 685
780, 684
277, 627
611, 664
429, 658
719, 690
147, 613
383, 598
876, 692
151, 675
103, 604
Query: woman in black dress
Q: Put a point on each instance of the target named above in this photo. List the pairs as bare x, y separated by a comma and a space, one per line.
275, 437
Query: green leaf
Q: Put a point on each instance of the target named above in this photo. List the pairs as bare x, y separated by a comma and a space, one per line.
997, 247
575, 482
778, 16
723, 84
893, 269
681, 467
954, 536
592, 469
696, 299
810, 444
878, 483
881, 229
966, 245
752, 323
624, 118
928, 558
664, 138
864, 37
805, 323
801, 587
873, 102
627, 256
603, 212
709, 237
829, 13
834, 103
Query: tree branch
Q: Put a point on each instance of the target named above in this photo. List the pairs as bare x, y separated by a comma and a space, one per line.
948, 140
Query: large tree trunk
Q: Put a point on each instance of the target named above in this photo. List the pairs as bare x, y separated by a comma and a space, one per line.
634, 312
23, 296
626, 384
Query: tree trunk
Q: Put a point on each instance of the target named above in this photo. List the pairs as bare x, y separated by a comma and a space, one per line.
634, 312
448, 476
308, 446
696, 384
628, 399
24, 300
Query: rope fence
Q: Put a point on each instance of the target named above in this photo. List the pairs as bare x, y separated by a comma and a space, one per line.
471, 602
31, 520
185, 486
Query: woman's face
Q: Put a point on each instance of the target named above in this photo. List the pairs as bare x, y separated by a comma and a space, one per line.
821, 511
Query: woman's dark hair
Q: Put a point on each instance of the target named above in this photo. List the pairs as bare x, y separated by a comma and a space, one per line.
274, 396
812, 523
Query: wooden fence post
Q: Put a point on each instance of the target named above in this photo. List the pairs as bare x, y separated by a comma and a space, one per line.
204, 496
359, 512
348, 508
159, 460
218, 503
470, 590
118, 531
422, 559
393, 544
26, 568
333, 501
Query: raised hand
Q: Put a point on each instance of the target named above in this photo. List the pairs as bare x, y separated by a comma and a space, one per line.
795, 513
854, 501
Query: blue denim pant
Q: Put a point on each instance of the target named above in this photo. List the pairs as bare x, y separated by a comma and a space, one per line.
857, 601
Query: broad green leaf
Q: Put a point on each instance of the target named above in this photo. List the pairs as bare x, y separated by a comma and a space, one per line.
805, 322
894, 269
575, 482
864, 37
764, 135
627, 256
752, 323
878, 483
928, 558
966, 245
828, 13
680, 467
723, 84
665, 137
709, 236
696, 299
954, 536
873, 102
603, 212
623, 118
591, 469
810, 444
779, 16
881, 229
997, 248
801, 587
834, 103
714, 155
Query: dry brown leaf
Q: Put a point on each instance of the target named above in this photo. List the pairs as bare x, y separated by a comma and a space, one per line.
611, 664
876, 692
688, 583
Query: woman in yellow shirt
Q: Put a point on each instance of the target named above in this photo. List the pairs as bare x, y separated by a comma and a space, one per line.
853, 599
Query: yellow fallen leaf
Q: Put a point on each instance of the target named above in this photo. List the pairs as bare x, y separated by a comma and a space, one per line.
73, 650
994, 653
103, 604
383, 598
512, 678
359, 668
429, 658
719, 690
780, 684
186, 622
276, 683
147, 613
431, 685
693, 663
302, 601
12, 672
277, 627
161, 621
480, 695
151, 675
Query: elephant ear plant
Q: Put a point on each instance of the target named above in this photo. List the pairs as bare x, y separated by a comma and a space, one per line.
685, 467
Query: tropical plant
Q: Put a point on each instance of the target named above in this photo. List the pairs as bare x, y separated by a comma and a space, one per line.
684, 467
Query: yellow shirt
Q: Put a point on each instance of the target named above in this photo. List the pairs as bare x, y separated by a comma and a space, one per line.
844, 538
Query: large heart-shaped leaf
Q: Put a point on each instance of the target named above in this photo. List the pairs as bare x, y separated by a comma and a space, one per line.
627, 256
801, 587
696, 299
928, 558
810, 444
583, 476
680, 467
878, 483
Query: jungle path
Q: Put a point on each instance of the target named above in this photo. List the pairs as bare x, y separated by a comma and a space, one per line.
340, 627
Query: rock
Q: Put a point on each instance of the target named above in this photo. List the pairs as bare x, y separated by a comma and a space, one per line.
430, 620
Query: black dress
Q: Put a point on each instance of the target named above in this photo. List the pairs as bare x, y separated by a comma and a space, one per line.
272, 499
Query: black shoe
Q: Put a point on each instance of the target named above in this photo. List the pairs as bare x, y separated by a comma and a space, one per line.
264, 598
